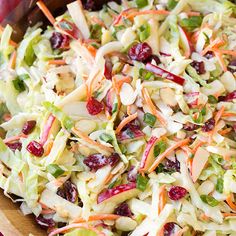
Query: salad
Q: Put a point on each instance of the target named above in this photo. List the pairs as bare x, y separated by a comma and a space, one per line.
120, 119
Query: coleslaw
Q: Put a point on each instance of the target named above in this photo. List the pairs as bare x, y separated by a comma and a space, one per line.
120, 119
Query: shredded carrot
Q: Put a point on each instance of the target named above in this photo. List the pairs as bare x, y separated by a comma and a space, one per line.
57, 62
12, 62
76, 225
224, 131
108, 179
162, 198
228, 214
193, 13
90, 141
228, 52
147, 12
197, 146
46, 11
98, 21
152, 107
11, 42
7, 117
48, 148
219, 114
125, 121
117, 83
14, 138
213, 45
169, 150
204, 217
91, 49
230, 201
97, 217
228, 114
47, 211
123, 13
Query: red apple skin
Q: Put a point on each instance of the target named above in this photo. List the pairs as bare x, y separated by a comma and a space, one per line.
114, 193
167, 75
192, 95
123, 135
185, 38
46, 129
148, 155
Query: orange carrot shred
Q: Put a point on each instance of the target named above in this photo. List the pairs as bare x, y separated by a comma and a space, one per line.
147, 12
97, 217
46, 11
152, 107
12, 62
230, 202
169, 150
125, 121
57, 62
162, 198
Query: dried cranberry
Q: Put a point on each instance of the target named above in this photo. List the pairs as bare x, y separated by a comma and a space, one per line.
190, 126
45, 223
35, 149
28, 127
123, 210
95, 5
59, 40
172, 166
209, 55
199, 67
176, 192
232, 66
1, 234
209, 125
140, 52
95, 161
132, 174
169, 228
108, 69
68, 191
229, 97
94, 107
155, 58
113, 159
15, 146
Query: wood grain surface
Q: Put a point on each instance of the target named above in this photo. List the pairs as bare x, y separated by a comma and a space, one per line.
14, 223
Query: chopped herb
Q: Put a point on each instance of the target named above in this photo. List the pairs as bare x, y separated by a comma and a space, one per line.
142, 182
159, 148
220, 185
191, 23
211, 201
96, 31
171, 4
206, 37
144, 32
160, 168
146, 75
23, 76
212, 99
114, 108
55, 170
141, 3
18, 84
149, 119
106, 138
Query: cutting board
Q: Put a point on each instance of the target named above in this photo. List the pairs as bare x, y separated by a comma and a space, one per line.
13, 222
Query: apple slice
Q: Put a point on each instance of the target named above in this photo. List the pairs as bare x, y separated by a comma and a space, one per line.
192, 99
165, 74
184, 42
118, 194
148, 155
199, 161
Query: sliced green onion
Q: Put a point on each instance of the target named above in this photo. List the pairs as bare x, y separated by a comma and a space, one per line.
55, 170
106, 138
159, 148
141, 3
145, 75
220, 185
212, 99
171, 4
144, 32
142, 182
149, 119
19, 84
96, 31
160, 168
211, 201
191, 23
